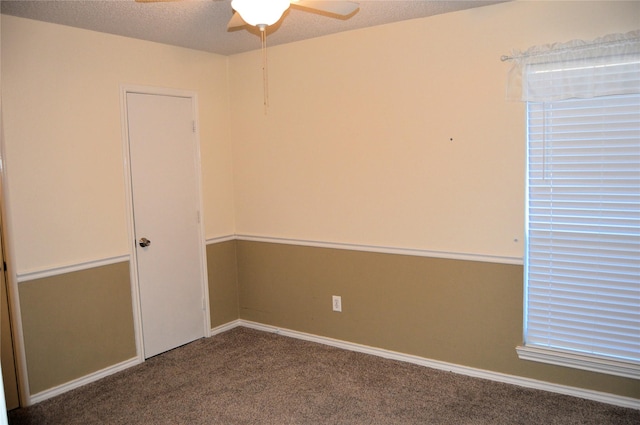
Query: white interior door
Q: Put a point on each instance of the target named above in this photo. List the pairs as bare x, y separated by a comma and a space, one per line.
166, 202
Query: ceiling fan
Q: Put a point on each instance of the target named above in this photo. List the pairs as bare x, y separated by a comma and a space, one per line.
262, 13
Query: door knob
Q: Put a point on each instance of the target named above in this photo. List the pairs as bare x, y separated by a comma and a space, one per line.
144, 242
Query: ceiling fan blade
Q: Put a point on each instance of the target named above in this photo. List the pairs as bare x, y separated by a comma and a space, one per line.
342, 8
236, 21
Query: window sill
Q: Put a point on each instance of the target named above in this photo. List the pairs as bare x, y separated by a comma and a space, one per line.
579, 361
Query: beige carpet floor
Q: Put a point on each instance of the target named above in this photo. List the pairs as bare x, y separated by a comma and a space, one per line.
245, 376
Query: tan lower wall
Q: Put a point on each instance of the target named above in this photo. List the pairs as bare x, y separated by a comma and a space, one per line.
7, 358
76, 324
223, 282
462, 312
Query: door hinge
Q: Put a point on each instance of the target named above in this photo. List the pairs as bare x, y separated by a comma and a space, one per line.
194, 126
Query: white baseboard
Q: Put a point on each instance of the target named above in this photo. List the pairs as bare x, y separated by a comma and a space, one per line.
450, 367
225, 327
92, 377
345, 345
76, 383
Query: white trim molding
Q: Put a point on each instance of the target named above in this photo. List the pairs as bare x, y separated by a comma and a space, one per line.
220, 239
225, 327
486, 258
579, 361
612, 399
69, 268
95, 376
387, 250
451, 367
76, 383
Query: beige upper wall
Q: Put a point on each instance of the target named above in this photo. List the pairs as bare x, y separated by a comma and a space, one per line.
356, 146
63, 140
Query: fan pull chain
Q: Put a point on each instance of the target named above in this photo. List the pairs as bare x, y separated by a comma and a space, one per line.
265, 72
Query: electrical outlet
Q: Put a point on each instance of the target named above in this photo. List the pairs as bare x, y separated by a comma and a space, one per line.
337, 303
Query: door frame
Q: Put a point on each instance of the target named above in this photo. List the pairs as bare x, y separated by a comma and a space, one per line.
4, 281
133, 259
11, 283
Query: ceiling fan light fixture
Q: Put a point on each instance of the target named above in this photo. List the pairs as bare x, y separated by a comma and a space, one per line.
260, 12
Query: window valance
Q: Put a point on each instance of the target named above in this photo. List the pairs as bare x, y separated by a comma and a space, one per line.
589, 69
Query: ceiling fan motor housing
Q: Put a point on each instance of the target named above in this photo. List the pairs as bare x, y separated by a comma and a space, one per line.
260, 12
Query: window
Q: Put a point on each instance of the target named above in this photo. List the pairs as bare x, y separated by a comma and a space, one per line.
582, 259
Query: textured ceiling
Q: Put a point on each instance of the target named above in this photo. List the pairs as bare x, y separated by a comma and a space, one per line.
202, 24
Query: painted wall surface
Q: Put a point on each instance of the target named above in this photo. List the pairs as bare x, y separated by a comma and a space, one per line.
76, 324
467, 313
357, 148
7, 356
395, 136
223, 282
398, 135
65, 181
63, 141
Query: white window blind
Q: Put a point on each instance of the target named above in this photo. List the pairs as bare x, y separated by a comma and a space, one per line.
582, 262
